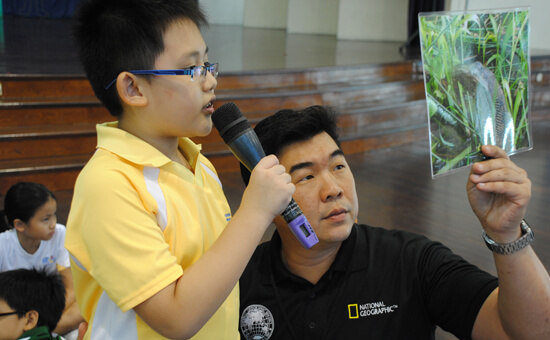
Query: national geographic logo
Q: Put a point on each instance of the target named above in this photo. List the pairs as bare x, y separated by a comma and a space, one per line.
357, 311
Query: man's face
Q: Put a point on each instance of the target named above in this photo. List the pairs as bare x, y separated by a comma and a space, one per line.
325, 187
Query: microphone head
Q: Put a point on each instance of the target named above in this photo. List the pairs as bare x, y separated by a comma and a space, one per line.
230, 122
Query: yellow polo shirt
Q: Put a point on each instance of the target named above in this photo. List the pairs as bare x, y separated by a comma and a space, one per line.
137, 218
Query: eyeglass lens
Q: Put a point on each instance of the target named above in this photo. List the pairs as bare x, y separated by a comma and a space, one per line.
200, 71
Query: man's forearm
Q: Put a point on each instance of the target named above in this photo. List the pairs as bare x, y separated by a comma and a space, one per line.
524, 295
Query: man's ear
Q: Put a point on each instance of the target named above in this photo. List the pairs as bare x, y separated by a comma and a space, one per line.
19, 225
129, 89
32, 320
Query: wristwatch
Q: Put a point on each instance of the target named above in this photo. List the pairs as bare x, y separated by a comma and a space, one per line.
526, 238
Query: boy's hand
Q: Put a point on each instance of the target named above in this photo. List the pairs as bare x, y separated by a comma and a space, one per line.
499, 191
269, 190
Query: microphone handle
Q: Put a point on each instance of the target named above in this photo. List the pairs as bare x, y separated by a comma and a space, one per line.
249, 151
299, 225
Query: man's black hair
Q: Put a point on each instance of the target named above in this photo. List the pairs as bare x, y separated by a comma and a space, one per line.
290, 126
113, 36
30, 289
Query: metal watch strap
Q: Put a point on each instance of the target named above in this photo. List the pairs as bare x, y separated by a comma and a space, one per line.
526, 238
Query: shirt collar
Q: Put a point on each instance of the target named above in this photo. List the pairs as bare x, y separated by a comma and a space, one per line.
115, 140
343, 262
38, 333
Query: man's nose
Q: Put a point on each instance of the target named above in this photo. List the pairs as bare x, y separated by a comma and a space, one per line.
330, 189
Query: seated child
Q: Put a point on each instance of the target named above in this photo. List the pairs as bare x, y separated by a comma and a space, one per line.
31, 304
34, 239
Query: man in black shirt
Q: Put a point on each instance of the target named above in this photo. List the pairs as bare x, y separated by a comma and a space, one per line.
366, 282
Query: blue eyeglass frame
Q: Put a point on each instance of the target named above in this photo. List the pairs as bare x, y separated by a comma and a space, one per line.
212, 68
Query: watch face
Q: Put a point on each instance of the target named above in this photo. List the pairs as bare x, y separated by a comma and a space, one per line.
525, 227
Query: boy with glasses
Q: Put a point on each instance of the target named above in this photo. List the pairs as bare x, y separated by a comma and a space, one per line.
147, 234
31, 304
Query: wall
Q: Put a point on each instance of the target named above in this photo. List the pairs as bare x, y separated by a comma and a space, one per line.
224, 12
313, 16
373, 20
265, 13
355, 19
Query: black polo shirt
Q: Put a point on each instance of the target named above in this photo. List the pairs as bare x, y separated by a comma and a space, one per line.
383, 284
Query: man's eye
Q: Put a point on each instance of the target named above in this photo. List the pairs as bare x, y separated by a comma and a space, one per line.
308, 177
339, 167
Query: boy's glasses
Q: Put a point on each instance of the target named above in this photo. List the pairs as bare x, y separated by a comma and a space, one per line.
5, 314
195, 71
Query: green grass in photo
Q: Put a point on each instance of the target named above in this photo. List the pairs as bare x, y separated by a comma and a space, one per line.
476, 70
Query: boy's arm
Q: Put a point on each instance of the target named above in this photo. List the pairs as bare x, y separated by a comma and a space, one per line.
182, 308
71, 316
499, 191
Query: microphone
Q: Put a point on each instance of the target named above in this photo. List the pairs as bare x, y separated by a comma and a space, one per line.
237, 133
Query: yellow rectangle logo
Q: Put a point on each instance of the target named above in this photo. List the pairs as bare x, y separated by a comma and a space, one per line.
353, 311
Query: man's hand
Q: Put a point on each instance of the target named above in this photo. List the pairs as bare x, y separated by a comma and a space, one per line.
499, 191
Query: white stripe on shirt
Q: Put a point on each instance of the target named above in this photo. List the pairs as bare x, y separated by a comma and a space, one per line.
151, 176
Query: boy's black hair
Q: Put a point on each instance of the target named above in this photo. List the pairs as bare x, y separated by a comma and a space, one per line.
22, 201
290, 126
30, 289
113, 36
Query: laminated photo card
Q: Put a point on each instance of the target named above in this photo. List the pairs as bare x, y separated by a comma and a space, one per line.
476, 75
